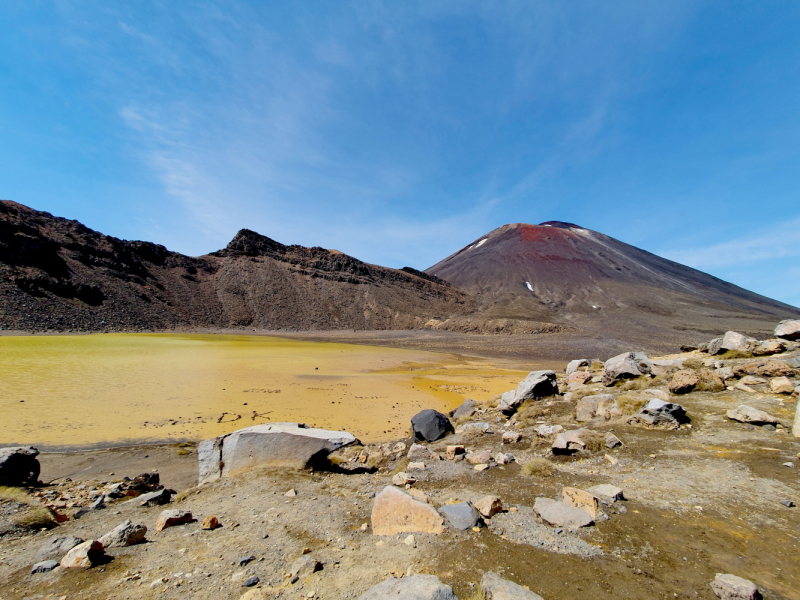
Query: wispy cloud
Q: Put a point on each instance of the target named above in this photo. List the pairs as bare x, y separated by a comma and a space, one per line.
767, 244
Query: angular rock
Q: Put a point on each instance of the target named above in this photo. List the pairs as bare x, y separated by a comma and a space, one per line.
579, 378
461, 516
453, 451
83, 556
574, 365
684, 381
284, 445
126, 534
502, 458
769, 367
420, 452
416, 466
598, 405
657, 413
607, 492
788, 329
495, 587
399, 447
730, 587
662, 367
511, 437
751, 380
628, 365
796, 423
611, 440
158, 498
569, 441
145, 482
210, 522
768, 347
170, 518
714, 346
735, 341
547, 430
488, 506
781, 385
466, 409
748, 414
43, 567
19, 466
251, 581
430, 425
710, 381
537, 385
55, 547
581, 499
561, 515
415, 587
303, 566
402, 478
478, 458
396, 512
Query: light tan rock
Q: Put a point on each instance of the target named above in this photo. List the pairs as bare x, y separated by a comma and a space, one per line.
478, 458
260, 593
796, 424
768, 367
511, 437
781, 385
453, 451
489, 506
210, 522
481, 467
579, 378
402, 478
396, 512
748, 414
168, 518
581, 499
768, 347
83, 556
416, 466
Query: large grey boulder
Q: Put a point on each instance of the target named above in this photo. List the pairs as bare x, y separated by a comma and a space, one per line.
286, 445
461, 516
788, 329
537, 385
495, 587
18, 466
731, 587
55, 547
657, 413
415, 587
735, 341
430, 425
125, 534
748, 414
466, 409
574, 365
561, 514
628, 365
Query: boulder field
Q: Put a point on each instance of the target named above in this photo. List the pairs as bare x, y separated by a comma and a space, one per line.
611, 484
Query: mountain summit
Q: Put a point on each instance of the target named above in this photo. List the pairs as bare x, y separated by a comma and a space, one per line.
564, 273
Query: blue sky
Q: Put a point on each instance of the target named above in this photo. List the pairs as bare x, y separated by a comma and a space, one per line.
399, 132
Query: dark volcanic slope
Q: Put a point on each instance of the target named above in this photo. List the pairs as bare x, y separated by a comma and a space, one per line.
57, 274
563, 273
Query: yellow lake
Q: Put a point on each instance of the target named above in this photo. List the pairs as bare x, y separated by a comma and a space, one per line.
105, 390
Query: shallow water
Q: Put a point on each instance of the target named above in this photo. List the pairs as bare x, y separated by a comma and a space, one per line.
70, 392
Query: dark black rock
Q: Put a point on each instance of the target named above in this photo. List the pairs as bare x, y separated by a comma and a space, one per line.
251, 581
19, 466
430, 425
246, 559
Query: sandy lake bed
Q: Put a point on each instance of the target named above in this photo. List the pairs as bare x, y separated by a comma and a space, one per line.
107, 390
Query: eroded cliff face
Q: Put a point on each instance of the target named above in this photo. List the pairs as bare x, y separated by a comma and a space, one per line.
57, 274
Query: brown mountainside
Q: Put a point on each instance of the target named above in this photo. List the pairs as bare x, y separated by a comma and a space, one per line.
562, 273
58, 274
